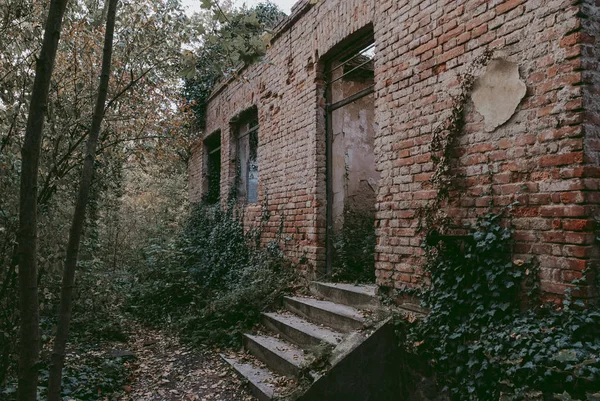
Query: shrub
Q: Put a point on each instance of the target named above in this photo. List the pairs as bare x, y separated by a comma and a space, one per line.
211, 283
355, 248
480, 343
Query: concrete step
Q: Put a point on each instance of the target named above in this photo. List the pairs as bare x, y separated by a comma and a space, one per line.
278, 355
339, 317
300, 331
261, 380
357, 296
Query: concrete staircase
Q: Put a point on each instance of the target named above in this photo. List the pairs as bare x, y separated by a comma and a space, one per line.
318, 346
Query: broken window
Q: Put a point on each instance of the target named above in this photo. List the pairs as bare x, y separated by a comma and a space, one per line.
212, 163
247, 158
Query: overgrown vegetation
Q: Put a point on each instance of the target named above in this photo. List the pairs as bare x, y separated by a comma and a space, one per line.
211, 283
488, 335
138, 192
138, 126
480, 343
235, 38
354, 245
90, 378
90, 374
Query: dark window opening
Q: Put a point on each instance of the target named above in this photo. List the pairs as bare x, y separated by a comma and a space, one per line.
212, 148
247, 158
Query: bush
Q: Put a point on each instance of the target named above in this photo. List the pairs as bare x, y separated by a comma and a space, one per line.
480, 343
88, 376
211, 283
355, 248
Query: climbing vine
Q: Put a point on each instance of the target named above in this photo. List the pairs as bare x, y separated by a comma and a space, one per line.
488, 336
480, 343
442, 144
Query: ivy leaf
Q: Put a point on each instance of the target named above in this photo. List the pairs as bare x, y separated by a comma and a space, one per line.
206, 4
529, 365
593, 397
566, 355
188, 73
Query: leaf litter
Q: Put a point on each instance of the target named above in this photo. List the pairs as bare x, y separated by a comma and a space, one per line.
164, 369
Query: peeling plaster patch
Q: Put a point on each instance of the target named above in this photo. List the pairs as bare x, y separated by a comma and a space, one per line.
498, 92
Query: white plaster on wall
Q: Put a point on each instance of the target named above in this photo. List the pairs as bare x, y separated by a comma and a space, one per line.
497, 93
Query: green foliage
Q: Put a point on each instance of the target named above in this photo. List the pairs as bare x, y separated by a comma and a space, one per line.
478, 340
444, 137
355, 248
98, 377
143, 118
235, 39
211, 283
94, 378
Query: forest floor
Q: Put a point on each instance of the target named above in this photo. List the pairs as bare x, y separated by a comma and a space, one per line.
163, 369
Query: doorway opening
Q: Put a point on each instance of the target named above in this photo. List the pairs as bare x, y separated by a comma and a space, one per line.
351, 175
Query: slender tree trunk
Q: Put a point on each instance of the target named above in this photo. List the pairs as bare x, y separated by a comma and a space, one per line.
27, 237
66, 296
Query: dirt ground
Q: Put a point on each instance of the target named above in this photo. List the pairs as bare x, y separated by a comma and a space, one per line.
163, 369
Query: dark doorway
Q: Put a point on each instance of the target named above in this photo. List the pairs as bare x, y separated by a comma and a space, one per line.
351, 175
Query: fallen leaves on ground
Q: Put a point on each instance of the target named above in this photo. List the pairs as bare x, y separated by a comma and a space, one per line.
166, 370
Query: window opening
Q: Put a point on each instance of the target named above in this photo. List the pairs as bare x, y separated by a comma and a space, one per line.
212, 147
247, 151
357, 67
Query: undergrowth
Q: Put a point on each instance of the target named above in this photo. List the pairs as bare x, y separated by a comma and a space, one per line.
354, 247
212, 282
480, 342
88, 375
488, 336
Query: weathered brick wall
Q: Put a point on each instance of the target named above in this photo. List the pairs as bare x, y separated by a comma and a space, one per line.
286, 90
590, 42
546, 156
536, 158
196, 173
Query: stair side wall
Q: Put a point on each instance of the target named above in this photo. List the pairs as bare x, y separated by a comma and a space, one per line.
370, 372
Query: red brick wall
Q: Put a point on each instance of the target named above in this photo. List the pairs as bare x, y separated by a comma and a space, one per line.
287, 92
546, 156
590, 50
536, 158
196, 173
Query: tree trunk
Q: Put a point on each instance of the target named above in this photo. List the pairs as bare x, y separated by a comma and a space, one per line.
66, 296
29, 349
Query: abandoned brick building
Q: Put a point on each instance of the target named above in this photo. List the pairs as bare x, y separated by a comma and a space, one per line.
341, 112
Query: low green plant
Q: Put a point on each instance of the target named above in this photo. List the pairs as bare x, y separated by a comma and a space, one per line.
91, 377
212, 282
97, 378
480, 342
354, 247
